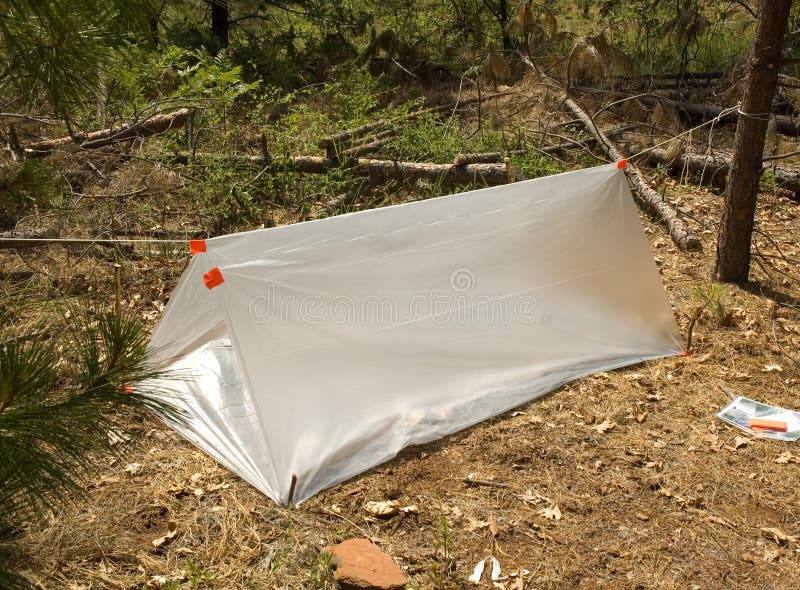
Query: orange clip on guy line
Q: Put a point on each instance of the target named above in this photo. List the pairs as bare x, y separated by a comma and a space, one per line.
213, 278
197, 246
762, 424
622, 164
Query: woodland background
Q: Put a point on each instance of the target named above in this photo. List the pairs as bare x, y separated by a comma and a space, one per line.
132, 127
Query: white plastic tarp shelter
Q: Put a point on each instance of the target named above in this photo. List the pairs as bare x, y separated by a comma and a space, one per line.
330, 345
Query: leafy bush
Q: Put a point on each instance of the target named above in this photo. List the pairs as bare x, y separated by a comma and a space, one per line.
223, 201
173, 76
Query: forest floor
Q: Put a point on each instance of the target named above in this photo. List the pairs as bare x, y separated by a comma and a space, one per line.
623, 479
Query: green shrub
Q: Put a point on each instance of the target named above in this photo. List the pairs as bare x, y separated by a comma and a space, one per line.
24, 189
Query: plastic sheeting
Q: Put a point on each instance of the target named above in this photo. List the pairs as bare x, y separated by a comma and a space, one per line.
333, 344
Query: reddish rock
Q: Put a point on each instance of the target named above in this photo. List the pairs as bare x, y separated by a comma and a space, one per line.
360, 565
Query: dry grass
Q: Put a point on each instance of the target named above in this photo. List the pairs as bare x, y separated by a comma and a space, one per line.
668, 498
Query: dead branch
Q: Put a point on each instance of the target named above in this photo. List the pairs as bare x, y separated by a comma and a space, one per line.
690, 327
650, 200
781, 156
491, 157
375, 143
94, 139
471, 481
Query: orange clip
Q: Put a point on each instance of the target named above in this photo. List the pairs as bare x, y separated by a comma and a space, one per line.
684, 353
197, 246
213, 278
622, 164
762, 424
128, 389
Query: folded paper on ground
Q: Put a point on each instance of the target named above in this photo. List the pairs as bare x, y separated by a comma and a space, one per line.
323, 348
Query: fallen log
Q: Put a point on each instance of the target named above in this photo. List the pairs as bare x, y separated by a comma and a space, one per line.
487, 157
94, 139
787, 178
650, 200
700, 113
446, 174
308, 164
714, 169
669, 85
674, 75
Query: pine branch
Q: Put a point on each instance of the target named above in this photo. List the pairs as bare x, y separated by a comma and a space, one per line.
55, 428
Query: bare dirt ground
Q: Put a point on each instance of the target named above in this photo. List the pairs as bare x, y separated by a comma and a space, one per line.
623, 479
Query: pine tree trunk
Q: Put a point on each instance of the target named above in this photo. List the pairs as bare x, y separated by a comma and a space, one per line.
220, 19
736, 228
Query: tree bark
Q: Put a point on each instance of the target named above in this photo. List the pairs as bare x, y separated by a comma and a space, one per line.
220, 21
736, 228
493, 157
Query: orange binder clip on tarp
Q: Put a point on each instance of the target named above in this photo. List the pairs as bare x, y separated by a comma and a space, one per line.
762, 424
213, 278
197, 246
622, 164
